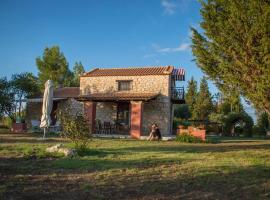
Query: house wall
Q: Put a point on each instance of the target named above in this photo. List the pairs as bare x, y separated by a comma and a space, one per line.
34, 109
74, 107
106, 112
155, 111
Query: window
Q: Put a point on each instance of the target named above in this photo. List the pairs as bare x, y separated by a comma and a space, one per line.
124, 85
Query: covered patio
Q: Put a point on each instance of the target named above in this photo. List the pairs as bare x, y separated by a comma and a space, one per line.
121, 112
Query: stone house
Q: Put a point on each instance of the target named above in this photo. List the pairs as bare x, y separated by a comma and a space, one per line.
133, 98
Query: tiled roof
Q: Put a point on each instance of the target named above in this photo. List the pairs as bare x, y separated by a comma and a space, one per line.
132, 71
66, 92
118, 96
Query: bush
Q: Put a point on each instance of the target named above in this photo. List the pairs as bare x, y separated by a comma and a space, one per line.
234, 118
187, 138
76, 128
7, 121
258, 130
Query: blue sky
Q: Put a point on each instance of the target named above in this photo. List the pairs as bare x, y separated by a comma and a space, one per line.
99, 33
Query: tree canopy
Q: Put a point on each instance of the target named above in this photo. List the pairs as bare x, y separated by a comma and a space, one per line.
204, 105
6, 98
78, 70
191, 94
24, 85
54, 66
234, 49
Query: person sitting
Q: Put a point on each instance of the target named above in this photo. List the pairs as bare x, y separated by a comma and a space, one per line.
155, 133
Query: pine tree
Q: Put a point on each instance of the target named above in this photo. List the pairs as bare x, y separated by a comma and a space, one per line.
54, 66
191, 94
204, 105
234, 50
78, 70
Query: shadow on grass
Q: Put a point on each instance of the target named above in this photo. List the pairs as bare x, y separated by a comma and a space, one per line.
91, 164
33, 140
239, 183
201, 148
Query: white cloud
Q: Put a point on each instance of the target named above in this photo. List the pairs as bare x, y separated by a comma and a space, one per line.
181, 47
169, 7
172, 6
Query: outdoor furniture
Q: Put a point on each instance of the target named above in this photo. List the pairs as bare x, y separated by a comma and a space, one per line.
99, 127
56, 128
35, 126
107, 128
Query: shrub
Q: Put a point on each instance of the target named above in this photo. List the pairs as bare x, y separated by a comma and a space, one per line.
233, 118
76, 128
7, 121
187, 138
258, 130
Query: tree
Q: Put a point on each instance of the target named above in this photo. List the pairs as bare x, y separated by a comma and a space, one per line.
191, 94
78, 70
234, 50
24, 85
263, 121
182, 112
6, 98
54, 66
242, 120
204, 105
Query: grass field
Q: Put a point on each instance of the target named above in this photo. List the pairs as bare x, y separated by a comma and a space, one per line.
130, 169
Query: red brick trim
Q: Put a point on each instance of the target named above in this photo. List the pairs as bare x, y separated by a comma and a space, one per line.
90, 114
136, 119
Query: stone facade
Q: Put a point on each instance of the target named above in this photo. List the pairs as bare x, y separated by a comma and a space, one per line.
34, 109
106, 112
75, 107
157, 111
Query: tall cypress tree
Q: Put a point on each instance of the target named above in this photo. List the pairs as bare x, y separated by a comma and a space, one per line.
234, 50
204, 105
191, 94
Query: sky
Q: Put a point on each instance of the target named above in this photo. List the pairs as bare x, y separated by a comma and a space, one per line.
99, 33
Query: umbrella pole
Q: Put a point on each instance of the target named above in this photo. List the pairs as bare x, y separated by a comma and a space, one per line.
44, 133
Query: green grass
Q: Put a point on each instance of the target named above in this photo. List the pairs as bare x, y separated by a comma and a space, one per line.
130, 169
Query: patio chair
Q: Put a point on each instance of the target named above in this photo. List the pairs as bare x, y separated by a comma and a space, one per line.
107, 128
99, 128
35, 126
56, 128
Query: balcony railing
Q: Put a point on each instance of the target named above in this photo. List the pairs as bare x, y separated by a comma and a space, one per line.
178, 94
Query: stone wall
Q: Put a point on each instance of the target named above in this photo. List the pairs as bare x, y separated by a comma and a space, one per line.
103, 84
159, 112
75, 107
155, 111
106, 112
34, 109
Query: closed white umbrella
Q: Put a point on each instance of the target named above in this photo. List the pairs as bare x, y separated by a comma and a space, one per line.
47, 106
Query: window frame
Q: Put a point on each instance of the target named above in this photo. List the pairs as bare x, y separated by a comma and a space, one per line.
124, 81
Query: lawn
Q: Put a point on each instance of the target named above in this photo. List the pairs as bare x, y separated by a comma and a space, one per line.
130, 169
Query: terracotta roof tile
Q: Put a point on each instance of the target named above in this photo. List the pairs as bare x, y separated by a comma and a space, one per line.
66, 92
132, 71
118, 96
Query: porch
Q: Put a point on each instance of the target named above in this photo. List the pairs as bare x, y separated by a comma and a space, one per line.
121, 113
